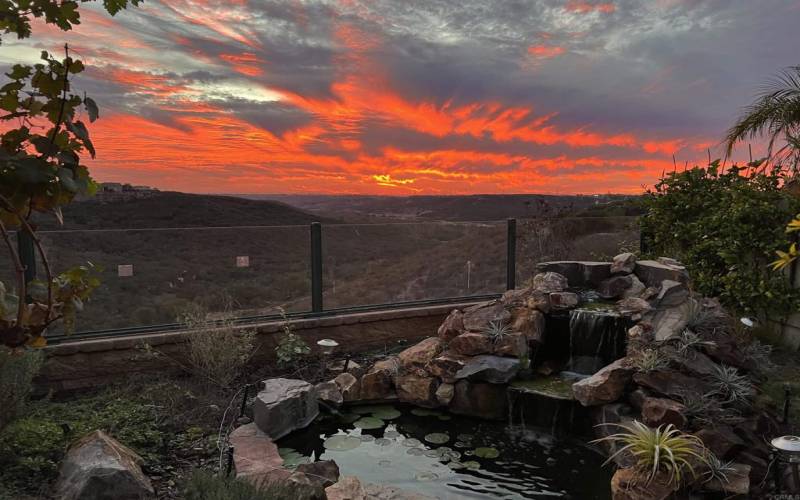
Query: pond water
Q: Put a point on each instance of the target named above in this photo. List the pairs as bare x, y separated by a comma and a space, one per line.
450, 457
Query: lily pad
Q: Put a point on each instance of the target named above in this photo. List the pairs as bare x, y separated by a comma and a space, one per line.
385, 463
369, 423
455, 465
415, 452
465, 437
431, 453
342, 443
486, 452
292, 458
426, 476
349, 417
366, 438
412, 442
424, 412
437, 438
391, 434
471, 464
387, 413
383, 442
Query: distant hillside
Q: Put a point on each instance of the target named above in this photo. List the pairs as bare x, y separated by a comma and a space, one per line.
446, 208
171, 209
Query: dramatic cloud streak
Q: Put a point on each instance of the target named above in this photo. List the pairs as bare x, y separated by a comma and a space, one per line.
417, 96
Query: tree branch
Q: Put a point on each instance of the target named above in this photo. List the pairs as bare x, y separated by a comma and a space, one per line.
21, 287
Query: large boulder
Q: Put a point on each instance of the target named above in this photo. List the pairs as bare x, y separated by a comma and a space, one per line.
481, 400
347, 488
670, 383
477, 318
452, 326
737, 482
323, 473
550, 282
285, 405
514, 344
671, 321
578, 273
378, 382
633, 305
636, 289
446, 366
329, 393
98, 467
652, 272
606, 385
614, 286
632, 484
419, 391
419, 354
721, 440
662, 411
672, 293
492, 369
349, 385
561, 301
471, 344
530, 323
623, 263
255, 456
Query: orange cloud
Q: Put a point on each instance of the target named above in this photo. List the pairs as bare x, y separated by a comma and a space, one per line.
546, 51
584, 7
246, 63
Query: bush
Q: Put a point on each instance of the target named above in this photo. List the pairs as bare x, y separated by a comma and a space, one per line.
32, 446
203, 485
17, 370
291, 349
217, 350
726, 227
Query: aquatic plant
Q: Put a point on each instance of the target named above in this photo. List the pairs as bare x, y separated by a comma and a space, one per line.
733, 387
497, 330
663, 450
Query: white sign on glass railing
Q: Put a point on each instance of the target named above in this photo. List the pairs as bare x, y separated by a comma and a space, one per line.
125, 270
243, 261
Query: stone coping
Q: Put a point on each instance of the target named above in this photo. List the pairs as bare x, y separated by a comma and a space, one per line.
67, 347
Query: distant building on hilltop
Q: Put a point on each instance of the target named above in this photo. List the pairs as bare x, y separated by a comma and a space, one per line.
112, 191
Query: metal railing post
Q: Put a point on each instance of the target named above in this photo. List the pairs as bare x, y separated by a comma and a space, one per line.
316, 267
27, 254
511, 260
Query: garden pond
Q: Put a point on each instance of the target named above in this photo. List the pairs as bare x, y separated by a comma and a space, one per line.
445, 456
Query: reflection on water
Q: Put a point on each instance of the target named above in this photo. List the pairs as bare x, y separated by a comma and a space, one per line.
450, 457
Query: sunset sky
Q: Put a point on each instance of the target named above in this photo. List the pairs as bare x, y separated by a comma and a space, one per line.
417, 97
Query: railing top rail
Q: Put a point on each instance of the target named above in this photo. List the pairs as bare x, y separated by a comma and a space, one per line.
329, 224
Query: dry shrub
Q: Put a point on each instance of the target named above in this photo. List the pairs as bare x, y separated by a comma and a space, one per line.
17, 370
216, 349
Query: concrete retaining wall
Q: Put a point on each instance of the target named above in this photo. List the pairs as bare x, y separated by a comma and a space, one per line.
84, 364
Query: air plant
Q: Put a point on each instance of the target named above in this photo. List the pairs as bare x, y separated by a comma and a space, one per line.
706, 409
760, 355
663, 450
718, 470
735, 388
497, 330
688, 341
649, 360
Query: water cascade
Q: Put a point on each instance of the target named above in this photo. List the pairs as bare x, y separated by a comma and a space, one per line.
596, 338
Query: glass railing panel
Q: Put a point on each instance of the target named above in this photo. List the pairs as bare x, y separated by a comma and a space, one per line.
365, 264
152, 277
573, 238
